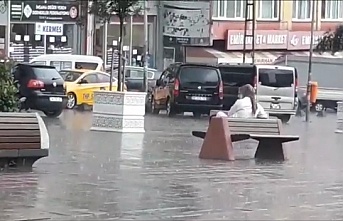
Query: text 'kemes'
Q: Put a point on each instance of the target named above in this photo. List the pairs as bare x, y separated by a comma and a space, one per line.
52, 29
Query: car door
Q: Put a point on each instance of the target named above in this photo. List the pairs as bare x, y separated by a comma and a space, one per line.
160, 94
86, 87
104, 82
276, 88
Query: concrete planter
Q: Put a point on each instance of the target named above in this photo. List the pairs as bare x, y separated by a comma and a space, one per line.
118, 111
339, 120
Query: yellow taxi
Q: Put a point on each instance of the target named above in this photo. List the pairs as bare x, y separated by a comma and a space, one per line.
80, 85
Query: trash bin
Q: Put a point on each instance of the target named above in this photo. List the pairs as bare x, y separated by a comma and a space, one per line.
314, 92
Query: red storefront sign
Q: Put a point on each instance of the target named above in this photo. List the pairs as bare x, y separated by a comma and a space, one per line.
272, 39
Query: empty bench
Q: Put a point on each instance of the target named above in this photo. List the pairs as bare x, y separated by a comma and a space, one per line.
23, 139
268, 132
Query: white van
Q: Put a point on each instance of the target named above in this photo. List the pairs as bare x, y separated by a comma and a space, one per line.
69, 62
276, 90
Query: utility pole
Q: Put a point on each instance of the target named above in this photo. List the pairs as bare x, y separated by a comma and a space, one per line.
8, 30
145, 80
250, 17
308, 91
131, 43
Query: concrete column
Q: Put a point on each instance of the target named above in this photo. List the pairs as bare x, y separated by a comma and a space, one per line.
318, 5
159, 36
104, 42
90, 32
286, 14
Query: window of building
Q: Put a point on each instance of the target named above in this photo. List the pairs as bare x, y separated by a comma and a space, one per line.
233, 9
302, 9
332, 9
269, 9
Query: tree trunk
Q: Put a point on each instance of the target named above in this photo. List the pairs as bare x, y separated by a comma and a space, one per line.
120, 51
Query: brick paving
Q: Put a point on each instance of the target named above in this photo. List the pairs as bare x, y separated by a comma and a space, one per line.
158, 176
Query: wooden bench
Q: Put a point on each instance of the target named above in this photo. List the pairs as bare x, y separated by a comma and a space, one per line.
23, 139
268, 132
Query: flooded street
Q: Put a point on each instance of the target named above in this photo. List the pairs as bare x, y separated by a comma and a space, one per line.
158, 175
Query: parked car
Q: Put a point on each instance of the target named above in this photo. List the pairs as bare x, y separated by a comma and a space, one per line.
276, 87
81, 84
70, 61
185, 87
134, 78
40, 88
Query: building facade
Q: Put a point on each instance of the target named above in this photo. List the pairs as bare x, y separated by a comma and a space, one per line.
281, 27
44, 27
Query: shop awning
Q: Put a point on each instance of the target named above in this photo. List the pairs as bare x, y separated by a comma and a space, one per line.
212, 56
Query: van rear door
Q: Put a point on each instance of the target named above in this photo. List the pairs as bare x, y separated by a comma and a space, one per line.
276, 88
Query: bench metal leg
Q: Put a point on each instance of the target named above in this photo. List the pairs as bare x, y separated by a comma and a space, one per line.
270, 149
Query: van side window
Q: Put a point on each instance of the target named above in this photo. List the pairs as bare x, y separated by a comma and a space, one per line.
39, 63
56, 64
67, 65
86, 65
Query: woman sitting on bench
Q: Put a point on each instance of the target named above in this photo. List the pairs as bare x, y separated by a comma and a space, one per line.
246, 106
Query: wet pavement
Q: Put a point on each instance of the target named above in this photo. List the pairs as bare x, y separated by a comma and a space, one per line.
157, 175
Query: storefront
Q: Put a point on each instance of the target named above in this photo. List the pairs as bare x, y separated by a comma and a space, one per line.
269, 45
3, 25
39, 27
134, 37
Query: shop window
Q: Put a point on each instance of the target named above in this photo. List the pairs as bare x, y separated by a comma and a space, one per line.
233, 9
302, 9
269, 9
332, 9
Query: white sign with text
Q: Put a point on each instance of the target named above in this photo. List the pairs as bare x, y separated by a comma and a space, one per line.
49, 29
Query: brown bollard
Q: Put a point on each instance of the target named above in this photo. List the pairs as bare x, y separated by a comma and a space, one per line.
217, 144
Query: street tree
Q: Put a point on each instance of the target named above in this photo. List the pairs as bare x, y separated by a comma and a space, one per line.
105, 9
331, 41
8, 89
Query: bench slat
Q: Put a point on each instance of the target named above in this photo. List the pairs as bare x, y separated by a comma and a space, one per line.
254, 125
16, 139
15, 120
253, 120
19, 127
17, 114
21, 133
20, 146
245, 129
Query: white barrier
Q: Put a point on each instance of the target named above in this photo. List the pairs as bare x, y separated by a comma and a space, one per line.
119, 111
339, 121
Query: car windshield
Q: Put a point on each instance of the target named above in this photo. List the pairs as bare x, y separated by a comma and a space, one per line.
46, 73
138, 74
199, 75
236, 76
276, 77
70, 76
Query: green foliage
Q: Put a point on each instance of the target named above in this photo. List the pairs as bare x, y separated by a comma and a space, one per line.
8, 90
105, 9
331, 41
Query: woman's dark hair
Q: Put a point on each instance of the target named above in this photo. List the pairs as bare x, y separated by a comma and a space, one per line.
248, 91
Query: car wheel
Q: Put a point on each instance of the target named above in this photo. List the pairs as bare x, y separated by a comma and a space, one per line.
153, 108
170, 109
71, 103
54, 114
284, 118
319, 107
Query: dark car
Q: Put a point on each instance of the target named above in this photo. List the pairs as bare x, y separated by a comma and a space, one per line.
134, 78
185, 87
42, 88
235, 76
